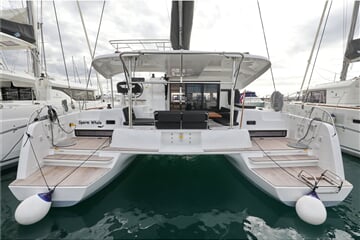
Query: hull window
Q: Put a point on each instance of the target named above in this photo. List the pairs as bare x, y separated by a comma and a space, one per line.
16, 93
316, 96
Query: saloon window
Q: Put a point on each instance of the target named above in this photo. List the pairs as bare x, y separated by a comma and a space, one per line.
316, 96
11, 93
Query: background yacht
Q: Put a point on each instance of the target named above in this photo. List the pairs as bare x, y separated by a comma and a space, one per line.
25, 95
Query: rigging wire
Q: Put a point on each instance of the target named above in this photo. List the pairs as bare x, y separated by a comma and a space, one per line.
345, 16
43, 57
89, 46
318, 49
95, 46
266, 45
75, 70
62, 50
96, 41
313, 47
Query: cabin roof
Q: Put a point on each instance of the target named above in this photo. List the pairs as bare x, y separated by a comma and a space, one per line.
196, 66
339, 84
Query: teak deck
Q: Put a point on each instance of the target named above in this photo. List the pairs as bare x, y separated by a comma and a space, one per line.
270, 143
83, 176
88, 143
280, 178
70, 157
302, 157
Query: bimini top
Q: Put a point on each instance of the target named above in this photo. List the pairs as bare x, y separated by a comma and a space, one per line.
188, 65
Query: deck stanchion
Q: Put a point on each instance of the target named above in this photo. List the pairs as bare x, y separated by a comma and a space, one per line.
242, 107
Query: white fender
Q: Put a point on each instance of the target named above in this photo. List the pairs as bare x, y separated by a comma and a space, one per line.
33, 208
311, 209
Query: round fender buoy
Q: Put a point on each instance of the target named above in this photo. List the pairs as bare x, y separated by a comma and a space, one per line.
311, 209
33, 208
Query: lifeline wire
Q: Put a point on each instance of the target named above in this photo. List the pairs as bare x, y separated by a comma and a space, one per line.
42, 173
14, 129
37, 161
12, 148
17, 128
282, 168
106, 139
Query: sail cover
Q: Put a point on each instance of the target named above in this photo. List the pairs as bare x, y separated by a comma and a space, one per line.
14, 22
181, 24
353, 51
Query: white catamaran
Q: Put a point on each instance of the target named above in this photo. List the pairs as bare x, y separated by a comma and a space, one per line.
341, 99
23, 96
188, 109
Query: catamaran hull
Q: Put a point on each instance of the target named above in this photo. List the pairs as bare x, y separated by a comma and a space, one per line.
287, 195
345, 119
66, 196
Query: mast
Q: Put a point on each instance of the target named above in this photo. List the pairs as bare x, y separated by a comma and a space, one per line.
181, 24
347, 60
34, 51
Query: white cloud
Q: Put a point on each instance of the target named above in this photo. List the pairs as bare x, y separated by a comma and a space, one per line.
228, 25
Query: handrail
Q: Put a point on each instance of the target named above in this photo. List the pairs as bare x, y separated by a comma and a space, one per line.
146, 44
332, 178
327, 113
233, 55
306, 178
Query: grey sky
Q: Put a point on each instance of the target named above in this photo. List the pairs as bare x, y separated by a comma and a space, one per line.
228, 25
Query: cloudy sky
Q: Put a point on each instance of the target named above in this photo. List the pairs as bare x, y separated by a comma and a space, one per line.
226, 25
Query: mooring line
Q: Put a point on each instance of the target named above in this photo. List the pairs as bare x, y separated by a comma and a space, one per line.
282, 168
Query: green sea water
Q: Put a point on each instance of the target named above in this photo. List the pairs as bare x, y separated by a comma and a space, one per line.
183, 197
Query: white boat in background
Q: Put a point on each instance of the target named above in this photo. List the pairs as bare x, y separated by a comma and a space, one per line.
252, 100
24, 96
285, 155
341, 99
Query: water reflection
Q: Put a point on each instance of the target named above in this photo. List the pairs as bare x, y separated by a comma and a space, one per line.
180, 197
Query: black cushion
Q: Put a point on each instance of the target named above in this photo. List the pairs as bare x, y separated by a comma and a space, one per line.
225, 117
168, 116
126, 114
136, 121
224, 122
194, 116
141, 122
